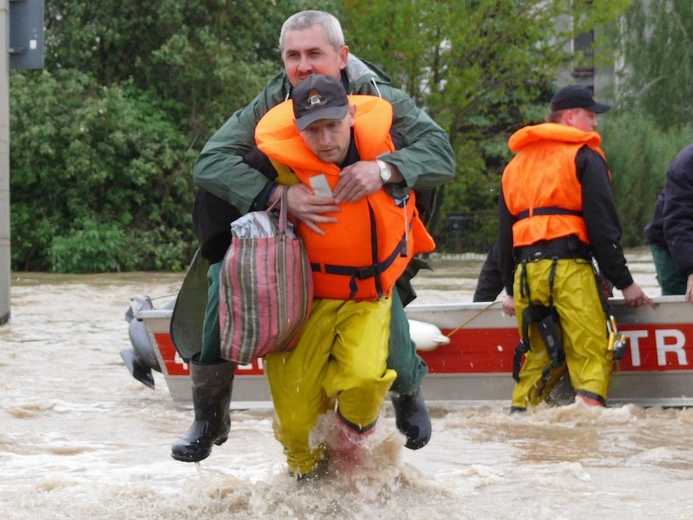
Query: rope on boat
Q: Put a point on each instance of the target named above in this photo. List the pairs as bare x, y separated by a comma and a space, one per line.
169, 296
476, 315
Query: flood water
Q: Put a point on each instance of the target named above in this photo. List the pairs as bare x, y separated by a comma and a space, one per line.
80, 438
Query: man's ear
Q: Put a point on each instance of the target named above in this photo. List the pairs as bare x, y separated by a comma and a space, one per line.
352, 114
343, 53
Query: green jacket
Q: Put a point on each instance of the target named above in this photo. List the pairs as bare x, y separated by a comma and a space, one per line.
426, 159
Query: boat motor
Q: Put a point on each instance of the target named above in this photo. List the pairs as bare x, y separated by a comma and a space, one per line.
140, 360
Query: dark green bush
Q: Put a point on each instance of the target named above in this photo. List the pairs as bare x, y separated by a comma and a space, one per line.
107, 164
91, 248
638, 154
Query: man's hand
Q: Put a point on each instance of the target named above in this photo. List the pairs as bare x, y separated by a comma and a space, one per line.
635, 297
307, 207
689, 289
360, 179
356, 181
509, 306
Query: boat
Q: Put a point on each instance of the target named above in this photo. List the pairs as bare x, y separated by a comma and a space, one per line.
469, 349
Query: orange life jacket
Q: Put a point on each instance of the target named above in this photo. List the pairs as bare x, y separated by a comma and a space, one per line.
362, 255
540, 184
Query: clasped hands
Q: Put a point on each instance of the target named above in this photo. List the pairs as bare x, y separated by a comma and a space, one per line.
355, 182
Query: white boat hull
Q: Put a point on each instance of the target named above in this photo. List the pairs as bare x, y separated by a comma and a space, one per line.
470, 363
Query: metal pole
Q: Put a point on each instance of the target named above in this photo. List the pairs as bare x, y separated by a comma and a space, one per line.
4, 161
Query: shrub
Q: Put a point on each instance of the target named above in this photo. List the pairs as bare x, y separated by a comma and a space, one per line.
638, 154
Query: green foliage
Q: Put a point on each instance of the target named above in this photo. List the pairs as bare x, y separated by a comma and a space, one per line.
481, 68
204, 59
655, 106
161, 247
657, 49
82, 152
104, 138
639, 154
92, 248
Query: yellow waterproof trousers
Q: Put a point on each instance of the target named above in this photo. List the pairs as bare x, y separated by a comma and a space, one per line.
582, 325
341, 355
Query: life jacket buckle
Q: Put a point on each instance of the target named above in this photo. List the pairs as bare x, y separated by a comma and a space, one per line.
363, 273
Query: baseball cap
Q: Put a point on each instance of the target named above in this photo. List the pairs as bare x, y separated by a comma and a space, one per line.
576, 96
319, 97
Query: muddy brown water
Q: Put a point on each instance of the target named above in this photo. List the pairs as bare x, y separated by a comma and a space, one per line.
81, 439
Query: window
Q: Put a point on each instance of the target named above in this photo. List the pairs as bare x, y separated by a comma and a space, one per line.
583, 64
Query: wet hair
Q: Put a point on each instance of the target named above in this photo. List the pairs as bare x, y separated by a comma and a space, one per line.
305, 19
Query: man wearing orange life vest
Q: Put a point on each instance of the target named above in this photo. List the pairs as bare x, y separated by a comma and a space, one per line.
556, 213
357, 252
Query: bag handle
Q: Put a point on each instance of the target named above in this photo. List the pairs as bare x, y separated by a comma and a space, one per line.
283, 208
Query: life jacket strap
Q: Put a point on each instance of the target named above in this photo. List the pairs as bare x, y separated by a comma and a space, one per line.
363, 272
548, 210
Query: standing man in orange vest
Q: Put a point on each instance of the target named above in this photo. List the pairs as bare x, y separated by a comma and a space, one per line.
556, 214
357, 252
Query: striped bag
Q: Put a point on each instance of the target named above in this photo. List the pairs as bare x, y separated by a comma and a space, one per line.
265, 286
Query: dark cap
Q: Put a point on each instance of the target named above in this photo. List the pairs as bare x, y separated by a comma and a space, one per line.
576, 96
319, 97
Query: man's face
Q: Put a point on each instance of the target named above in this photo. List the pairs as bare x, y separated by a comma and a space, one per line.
329, 138
582, 119
306, 52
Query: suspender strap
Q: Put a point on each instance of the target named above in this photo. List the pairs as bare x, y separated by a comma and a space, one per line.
547, 321
520, 350
524, 286
552, 278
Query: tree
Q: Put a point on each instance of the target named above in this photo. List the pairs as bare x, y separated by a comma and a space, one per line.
103, 159
104, 138
481, 68
639, 154
656, 44
205, 59
651, 121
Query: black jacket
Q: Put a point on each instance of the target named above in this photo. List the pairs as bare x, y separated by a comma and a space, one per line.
672, 223
212, 216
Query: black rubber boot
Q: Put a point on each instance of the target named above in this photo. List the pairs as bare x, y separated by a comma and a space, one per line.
211, 388
412, 418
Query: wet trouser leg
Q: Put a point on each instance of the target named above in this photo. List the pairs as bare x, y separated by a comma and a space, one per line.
583, 326
411, 415
211, 339
403, 358
340, 356
670, 280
